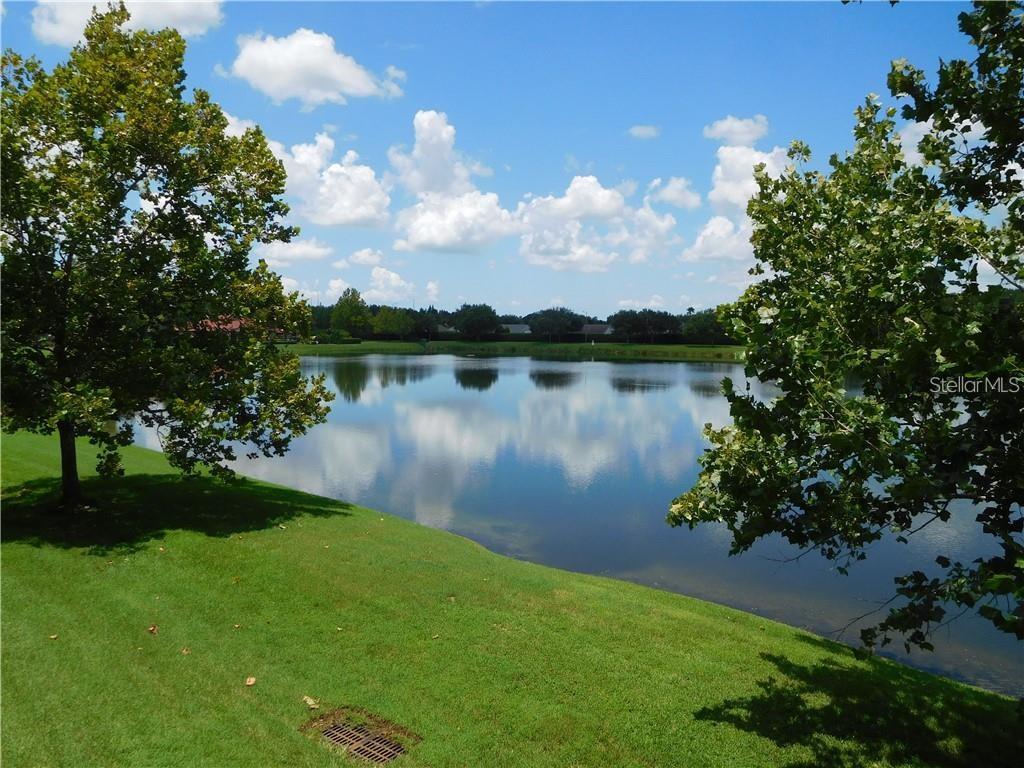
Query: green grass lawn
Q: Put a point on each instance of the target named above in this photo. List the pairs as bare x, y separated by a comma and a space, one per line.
539, 349
491, 661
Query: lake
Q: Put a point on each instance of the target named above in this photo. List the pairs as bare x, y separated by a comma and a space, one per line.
574, 464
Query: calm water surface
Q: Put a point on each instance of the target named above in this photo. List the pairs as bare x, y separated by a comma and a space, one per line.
574, 465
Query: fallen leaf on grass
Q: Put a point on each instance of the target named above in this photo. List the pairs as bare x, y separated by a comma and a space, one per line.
283, 527
186, 651
250, 681
311, 702
153, 629
238, 626
53, 637
434, 637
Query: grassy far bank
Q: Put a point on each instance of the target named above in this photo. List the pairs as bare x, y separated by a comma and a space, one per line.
539, 349
492, 661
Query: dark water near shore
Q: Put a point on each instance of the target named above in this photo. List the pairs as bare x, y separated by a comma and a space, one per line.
574, 465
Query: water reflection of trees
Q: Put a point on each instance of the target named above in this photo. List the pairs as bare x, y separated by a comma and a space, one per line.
401, 373
554, 379
628, 384
352, 377
706, 388
476, 378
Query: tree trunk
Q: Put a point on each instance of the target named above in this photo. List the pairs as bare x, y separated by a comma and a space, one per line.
71, 492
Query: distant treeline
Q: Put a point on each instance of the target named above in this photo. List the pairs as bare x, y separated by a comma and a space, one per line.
351, 318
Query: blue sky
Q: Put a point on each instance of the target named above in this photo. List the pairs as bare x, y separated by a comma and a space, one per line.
507, 153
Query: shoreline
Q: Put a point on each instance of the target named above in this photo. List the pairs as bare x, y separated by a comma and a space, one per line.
609, 352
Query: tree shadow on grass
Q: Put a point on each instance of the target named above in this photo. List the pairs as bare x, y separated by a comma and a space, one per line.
126, 512
894, 715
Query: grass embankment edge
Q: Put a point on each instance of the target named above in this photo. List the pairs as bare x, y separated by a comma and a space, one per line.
129, 632
536, 349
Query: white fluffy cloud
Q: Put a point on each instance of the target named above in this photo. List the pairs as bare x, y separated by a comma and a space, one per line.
461, 223
655, 302
366, 257
737, 131
306, 66
434, 165
586, 228
278, 254
433, 290
645, 131
61, 21
315, 294
733, 181
450, 214
387, 286
566, 247
726, 235
584, 198
721, 239
554, 231
676, 191
590, 226
642, 232
237, 125
333, 194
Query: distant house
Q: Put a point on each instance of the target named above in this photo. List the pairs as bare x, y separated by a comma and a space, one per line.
516, 327
445, 329
596, 329
223, 324
237, 324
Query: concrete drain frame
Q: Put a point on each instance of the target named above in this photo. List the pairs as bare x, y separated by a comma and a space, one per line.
361, 734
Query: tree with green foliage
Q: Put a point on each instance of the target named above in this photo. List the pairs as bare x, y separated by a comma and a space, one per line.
392, 321
901, 376
703, 327
351, 316
424, 322
128, 217
644, 323
476, 320
555, 322
321, 318
986, 95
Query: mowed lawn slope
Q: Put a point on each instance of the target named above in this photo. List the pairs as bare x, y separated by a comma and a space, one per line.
493, 662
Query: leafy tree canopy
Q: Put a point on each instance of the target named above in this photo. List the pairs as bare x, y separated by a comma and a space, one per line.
555, 321
645, 323
350, 315
476, 320
392, 321
128, 217
703, 327
869, 318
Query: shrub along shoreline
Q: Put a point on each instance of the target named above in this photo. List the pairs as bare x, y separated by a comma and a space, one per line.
137, 624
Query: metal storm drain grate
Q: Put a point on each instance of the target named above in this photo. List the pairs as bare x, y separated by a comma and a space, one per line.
362, 734
362, 742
